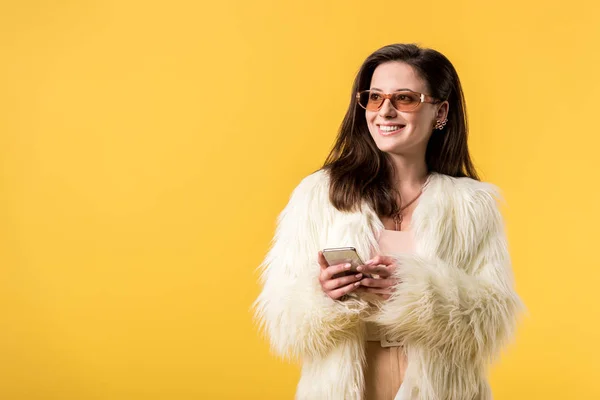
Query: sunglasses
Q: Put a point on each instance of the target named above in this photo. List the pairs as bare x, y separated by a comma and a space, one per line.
402, 100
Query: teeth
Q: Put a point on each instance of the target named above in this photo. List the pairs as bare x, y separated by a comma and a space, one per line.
390, 128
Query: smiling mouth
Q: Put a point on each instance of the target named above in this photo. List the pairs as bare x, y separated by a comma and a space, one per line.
388, 130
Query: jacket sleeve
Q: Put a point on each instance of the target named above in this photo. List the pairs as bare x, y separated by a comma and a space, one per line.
458, 310
293, 311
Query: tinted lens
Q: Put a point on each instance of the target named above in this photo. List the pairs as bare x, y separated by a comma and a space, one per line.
370, 100
406, 100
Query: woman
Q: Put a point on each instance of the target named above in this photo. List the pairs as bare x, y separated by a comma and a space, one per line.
424, 317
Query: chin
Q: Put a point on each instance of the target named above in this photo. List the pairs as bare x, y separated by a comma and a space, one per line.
389, 147
387, 143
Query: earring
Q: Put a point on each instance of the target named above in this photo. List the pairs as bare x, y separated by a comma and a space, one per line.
440, 124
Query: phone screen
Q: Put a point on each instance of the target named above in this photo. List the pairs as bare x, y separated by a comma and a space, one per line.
343, 255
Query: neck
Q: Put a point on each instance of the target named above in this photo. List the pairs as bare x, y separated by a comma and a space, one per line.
411, 173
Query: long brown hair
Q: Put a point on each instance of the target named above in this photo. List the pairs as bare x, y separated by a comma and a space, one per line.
359, 171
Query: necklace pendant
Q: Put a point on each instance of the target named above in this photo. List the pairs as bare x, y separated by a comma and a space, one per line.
398, 217
398, 221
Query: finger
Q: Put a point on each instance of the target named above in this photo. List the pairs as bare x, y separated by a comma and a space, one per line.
380, 270
322, 261
385, 260
333, 284
392, 268
337, 293
378, 283
329, 272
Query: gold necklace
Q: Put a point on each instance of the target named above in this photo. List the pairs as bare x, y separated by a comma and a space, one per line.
398, 217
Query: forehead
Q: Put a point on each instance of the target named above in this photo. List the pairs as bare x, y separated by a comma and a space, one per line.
396, 75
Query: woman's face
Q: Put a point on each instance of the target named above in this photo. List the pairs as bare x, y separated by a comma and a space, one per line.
402, 132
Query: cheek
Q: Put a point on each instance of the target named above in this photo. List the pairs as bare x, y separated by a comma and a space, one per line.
370, 117
420, 122
413, 119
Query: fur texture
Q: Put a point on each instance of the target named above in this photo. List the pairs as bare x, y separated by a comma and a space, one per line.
453, 309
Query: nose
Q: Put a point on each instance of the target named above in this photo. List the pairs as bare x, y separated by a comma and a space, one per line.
387, 110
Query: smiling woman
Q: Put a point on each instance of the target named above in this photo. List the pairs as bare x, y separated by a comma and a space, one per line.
435, 302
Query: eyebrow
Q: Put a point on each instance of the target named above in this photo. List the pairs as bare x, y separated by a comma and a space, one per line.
397, 90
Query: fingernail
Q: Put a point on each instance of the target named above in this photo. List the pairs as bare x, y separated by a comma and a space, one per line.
359, 269
369, 262
347, 266
358, 276
357, 284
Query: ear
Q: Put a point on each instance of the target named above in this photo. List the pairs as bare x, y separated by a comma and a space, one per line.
442, 112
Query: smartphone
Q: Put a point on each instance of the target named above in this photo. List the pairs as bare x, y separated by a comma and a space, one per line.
343, 255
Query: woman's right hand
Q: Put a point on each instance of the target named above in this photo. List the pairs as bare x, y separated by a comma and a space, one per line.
332, 279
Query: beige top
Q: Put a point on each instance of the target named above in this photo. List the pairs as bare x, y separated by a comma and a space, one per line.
390, 243
386, 362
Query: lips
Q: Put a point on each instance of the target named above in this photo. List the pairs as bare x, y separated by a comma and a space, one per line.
389, 130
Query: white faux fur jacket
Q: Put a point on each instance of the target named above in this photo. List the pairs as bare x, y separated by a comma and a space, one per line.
453, 309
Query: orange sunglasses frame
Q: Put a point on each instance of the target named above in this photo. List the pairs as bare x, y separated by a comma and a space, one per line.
423, 97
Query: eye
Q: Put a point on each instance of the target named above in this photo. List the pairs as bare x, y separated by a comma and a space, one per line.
374, 96
406, 98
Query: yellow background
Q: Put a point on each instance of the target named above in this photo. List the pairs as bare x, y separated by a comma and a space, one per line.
147, 147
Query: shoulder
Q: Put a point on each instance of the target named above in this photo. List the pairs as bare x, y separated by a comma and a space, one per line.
312, 187
471, 203
309, 197
465, 190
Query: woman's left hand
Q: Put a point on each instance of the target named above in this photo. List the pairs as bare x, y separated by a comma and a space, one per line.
384, 282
